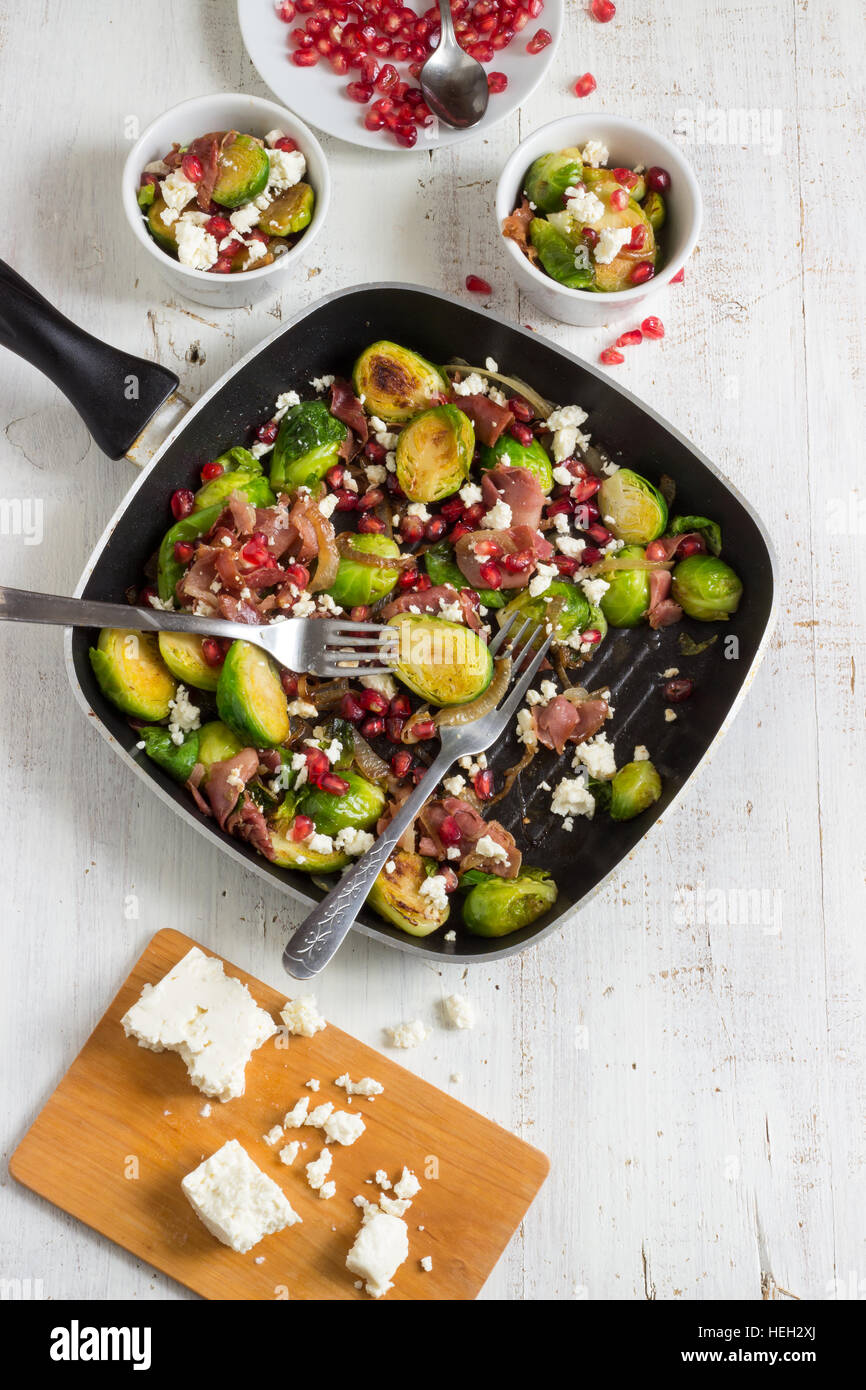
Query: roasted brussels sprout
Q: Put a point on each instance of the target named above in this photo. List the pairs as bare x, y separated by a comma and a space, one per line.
246, 259
361, 584
443, 662
558, 256
634, 787
358, 808
250, 697
710, 530
434, 454
146, 195
163, 233
508, 453
217, 742
706, 588
655, 210
289, 213
632, 508
397, 896
550, 175
307, 445
562, 603
499, 906
443, 569
256, 488
178, 760
628, 594
198, 523
294, 854
396, 383
182, 654
132, 674
243, 171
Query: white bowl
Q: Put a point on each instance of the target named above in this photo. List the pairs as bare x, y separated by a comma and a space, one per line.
183, 123
629, 143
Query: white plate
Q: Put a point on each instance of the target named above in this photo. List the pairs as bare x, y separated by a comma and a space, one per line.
318, 95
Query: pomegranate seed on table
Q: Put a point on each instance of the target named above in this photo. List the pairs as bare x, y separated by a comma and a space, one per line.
289, 682
521, 432
585, 85
370, 525
373, 726
191, 167
373, 702
449, 832
267, 433
346, 501
679, 277
641, 272
653, 327
211, 470
302, 828
298, 575
619, 199
401, 763
333, 785
412, 529
630, 339
183, 552
212, 651
490, 575
182, 503
286, 144
658, 180
476, 285
610, 357
603, 10
496, 82
483, 784
351, 708
539, 40
677, 691
450, 878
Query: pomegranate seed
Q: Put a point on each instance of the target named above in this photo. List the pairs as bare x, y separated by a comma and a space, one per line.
387, 77
406, 135
301, 39
453, 509
346, 501
692, 546
496, 82
566, 564
679, 277
401, 763
351, 709
191, 168
285, 11
374, 451
590, 555
339, 63
519, 562
373, 726
592, 636
629, 339
539, 41
599, 533
305, 58
373, 497
360, 91
334, 476
424, 729
286, 143
412, 529
638, 238
610, 357
302, 828
219, 227
585, 85
461, 529
289, 682
522, 433
626, 177
590, 236
183, 552
298, 575
585, 488
490, 575
483, 784
400, 707
603, 10
317, 765
658, 180
407, 579
677, 691
333, 785
492, 549
449, 877
562, 506
373, 702
267, 432
210, 471
476, 285
435, 528
619, 199
449, 832
474, 513
394, 728
212, 651
182, 503
370, 525
641, 272
423, 582
255, 554
520, 409
653, 327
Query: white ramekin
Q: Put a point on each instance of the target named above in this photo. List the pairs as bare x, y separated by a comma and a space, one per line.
629, 143
224, 111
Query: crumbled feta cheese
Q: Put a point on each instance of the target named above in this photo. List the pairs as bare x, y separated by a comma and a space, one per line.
594, 589
289, 1152
343, 1128
321, 383
470, 494
427, 1263
586, 207
381, 1246
365, 1087
597, 756
450, 935
641, 753
671, 672
352, 841
571, 798
256, 249
244, 218
595, 154
408, 1034
297, 1116
541, 579
316, 1118
319, 1169
375, 473
670, 715
563, 475
205, 1111
570, 545
611, 240
164, 607
394, 1206
328, 504
488, 848
436, 894
301, 1016
177, 191
390, 867
526, 733
184, 717
313, 1084
458, 1008
472, 385
491, 365
418, 509
407, 1185
235, 1200
498, 518
195, 247
454, 785
384, 684
326, 1192
287, 169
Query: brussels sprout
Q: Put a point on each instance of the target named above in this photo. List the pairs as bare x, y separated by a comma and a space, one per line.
598, 621
639, 190
307, 445
628, 594
361, 584
246, 259
397, 896
359, 808
132, 674
706, 588
216, 742
633, 788
290, 213
434, 454
294, 854
250, 697
500, 906
182, 654
243, 170
655, 210
443, 569
396, 383
557, 256
562, 603
710, 530
632, 508
178, 760
162, 233
198, 523
146, 195
257, 489
550, 175
508, 453
443, 662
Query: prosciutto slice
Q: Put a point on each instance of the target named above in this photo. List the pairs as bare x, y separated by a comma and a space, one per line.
472, 828
207, 149
345, 406
519, 489
516, 225
431, 601
671, 544
490, 420
662, 611
560, 721
248, 823
220, 789
194, 586
511, 541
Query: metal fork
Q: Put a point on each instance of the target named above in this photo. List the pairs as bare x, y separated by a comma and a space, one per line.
321, 933
326, 647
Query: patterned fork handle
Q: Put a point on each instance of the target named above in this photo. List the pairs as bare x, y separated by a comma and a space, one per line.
321, 934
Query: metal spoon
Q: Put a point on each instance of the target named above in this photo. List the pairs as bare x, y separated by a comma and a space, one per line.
454, 85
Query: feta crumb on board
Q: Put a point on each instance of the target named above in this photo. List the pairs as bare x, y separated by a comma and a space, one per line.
365, 1087
297, 1116
319, 1169
317, 1117
289, 1152
235, 1200
326, 1192
408, 1034
671, 672
407, 1185
343, 1128
670, 715
426, 1263
274, 1135
313, 1084
597, 756
459, 1010
381, 1246
206, 1016
301, 1016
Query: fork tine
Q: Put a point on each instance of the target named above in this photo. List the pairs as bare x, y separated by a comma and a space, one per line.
524, 680
351, 655
354, 639
341, 625
496, 643
329, 668
515, 639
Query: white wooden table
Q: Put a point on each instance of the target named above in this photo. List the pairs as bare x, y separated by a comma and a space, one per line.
695, 1070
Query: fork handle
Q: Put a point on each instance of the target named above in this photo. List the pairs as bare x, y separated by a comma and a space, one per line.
321, 934
24, 606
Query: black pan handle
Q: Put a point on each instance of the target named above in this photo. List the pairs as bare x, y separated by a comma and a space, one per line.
114, 392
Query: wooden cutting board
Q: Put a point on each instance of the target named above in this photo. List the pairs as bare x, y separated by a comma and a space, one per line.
125, 1125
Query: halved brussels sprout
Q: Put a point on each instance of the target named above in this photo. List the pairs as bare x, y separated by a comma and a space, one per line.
557, 256
178, 760
163, 234
198, 523
294, 854
289, 213
216, 742
359, 808
250, 697
706, 588
146, 195
628, 594
506, 452
132, 674
246, 259
397, 896
434, 454
243, 170
598, 621
655, 210
443, 662
633, 510
361, 584
499, 906
442, 568
550, 175
710, 530
182, 654
396, 383
562, 604
256, 488
307, 445
634, 788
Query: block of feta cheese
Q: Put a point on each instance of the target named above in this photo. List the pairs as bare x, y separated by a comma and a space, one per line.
235, 1200
206, 1016
381, 1246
